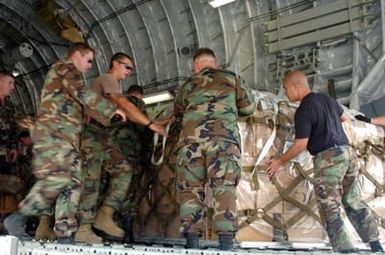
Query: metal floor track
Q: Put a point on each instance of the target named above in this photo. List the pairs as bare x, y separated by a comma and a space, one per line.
10, 245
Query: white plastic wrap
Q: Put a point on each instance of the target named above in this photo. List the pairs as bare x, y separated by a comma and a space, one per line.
263, 201
368, 85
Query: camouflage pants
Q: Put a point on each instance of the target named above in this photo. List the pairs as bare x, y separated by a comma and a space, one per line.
218, 165
130, 144
336, 181
56, 166
130, 205
100, 151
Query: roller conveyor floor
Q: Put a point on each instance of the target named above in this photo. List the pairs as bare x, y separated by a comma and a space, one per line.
10, 245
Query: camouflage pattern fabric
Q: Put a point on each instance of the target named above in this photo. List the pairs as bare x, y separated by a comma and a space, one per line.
208, 150
25, 168
8, 127
210, 103
8, 135
336, 180
130, 137
101, 152
56, 137
130, 205
128, 134
218, 164
58, 180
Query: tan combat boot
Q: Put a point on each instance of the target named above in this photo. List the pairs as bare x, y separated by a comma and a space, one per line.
86, 235
44, 230
104, 222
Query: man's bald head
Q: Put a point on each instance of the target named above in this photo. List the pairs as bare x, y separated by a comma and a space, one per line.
296, 77
296, 85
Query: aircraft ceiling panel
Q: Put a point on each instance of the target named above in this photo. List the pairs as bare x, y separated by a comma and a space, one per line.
183, 32
208, 28
161, 36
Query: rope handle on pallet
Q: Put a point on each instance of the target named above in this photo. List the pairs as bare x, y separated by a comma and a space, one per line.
156, 139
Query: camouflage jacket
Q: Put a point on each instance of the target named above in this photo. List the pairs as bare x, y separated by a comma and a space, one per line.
209, 104
8, 128
133, 127
130, 136
64, 100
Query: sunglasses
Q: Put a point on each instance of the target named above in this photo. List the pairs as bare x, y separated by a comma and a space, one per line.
127, 66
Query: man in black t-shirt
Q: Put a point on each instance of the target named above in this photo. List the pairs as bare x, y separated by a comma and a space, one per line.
318, 128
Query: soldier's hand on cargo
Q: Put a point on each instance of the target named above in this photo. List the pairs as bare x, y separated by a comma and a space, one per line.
157, 128
164, 121
12, 155
363, 118
273, 166
121, 114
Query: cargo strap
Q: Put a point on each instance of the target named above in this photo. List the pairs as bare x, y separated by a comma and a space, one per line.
265, 149
154, 199
380, 188
305, 209
284, 193
164, 190
164, 140
379, 152
305, 174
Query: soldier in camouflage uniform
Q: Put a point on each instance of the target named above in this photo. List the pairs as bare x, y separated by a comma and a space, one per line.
44, 230
99, 148
135, 143
209, 147
8, 127
318, 128
129, 137
24, 159
56, 136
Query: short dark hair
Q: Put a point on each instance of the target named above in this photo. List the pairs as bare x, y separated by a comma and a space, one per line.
83, 48
135, 88
6, 74
203, 51
119, 56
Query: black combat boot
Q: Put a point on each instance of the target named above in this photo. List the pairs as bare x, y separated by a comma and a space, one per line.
128, 223
192, 241
375, 246
14, 224
226, 241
